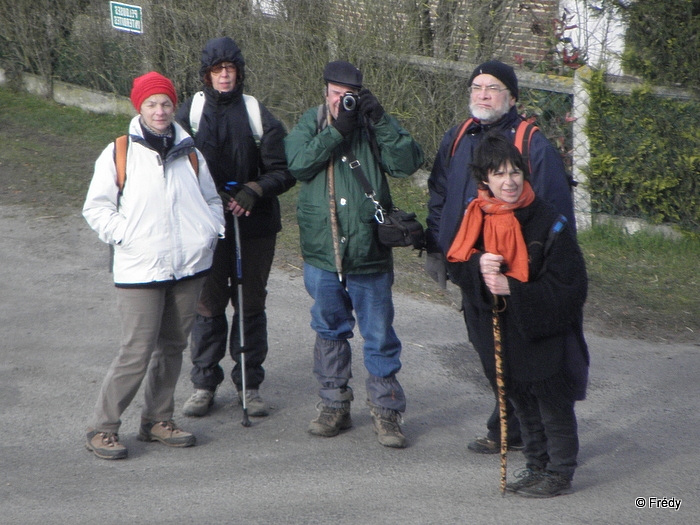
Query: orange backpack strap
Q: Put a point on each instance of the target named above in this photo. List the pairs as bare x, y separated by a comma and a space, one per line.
194, 161
522, 141
460, 134
120, 146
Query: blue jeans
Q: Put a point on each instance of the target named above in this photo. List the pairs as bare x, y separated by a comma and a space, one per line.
369, 295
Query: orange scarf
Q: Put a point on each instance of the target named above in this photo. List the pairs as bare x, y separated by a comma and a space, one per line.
502, 233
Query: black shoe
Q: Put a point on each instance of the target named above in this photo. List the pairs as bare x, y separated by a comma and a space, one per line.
551, 484
527, 477
484, 445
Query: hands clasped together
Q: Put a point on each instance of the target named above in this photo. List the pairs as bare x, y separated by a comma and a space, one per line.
495, 280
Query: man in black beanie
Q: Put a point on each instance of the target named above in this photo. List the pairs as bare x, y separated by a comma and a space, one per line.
493, 88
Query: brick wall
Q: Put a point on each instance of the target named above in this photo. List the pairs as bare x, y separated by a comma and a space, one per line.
530, 27
522, 38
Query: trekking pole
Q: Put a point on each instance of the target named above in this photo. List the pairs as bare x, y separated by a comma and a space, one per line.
241, 322
501, 388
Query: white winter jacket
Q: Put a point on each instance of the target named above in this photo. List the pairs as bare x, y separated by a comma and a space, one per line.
166, 223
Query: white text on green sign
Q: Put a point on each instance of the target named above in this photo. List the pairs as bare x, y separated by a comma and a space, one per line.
126, 17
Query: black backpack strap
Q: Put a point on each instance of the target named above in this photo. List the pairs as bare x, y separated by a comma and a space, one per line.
554, 232
356, 169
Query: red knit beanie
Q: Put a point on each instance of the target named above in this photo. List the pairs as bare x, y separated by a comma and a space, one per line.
151, 84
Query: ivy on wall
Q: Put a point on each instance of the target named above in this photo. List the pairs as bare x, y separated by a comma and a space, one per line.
645, 156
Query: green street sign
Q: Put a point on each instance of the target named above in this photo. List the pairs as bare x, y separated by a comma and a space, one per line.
126, 17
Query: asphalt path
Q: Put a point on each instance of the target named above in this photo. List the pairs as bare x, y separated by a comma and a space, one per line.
639, 427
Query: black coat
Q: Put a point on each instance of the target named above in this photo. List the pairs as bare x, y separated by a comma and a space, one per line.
541, 324
225, 139
452, 185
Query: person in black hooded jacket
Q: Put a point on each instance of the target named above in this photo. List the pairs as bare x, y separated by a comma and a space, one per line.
249, 176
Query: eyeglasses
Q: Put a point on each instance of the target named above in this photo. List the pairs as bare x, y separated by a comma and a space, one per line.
218, 68
493, 89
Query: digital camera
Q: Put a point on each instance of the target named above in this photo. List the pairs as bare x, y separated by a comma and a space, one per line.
349, 101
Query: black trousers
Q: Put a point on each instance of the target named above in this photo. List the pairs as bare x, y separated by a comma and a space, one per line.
488, 362
549, 430
210, 334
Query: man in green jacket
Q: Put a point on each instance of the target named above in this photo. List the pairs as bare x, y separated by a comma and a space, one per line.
345, 266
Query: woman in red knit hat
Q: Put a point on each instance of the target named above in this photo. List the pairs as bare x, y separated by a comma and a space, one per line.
163, 217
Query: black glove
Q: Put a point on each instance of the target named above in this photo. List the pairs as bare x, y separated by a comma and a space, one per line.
248, 195
369, 106
225, 197
436, 268
346, 122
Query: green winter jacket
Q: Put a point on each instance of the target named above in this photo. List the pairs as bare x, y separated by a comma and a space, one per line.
308, 155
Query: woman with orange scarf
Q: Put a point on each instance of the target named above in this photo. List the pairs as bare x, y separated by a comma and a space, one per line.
512, 245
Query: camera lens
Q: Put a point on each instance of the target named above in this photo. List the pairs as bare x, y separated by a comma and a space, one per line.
349, 102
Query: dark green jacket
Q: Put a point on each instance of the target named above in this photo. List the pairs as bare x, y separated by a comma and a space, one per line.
308, 155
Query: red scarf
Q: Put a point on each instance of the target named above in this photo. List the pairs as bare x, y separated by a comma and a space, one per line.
502, 233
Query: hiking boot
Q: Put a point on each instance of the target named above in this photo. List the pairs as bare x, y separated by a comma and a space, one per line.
484, 445
551, 484
386, 426
527, 477
105, 445
330, 421
254, 403
167, 432
199, 403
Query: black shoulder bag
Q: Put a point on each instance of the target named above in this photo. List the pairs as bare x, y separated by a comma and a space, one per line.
396, 228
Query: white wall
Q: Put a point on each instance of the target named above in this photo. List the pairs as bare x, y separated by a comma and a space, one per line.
600, 32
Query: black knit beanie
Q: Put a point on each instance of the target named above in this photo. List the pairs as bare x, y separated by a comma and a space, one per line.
501, 71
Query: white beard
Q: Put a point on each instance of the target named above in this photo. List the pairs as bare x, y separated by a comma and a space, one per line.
488, 116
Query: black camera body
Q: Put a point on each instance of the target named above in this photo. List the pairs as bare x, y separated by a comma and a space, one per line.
349, 101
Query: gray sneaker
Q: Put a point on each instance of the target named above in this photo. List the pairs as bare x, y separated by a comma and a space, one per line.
330, 421
254, 403
199, 403
386, 426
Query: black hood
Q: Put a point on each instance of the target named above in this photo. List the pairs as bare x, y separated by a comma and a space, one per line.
219, 50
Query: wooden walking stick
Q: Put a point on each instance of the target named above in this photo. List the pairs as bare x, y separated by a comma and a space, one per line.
334, 220
501, 387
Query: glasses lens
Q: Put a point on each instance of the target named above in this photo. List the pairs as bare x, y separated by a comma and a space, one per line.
488, 89
218, 68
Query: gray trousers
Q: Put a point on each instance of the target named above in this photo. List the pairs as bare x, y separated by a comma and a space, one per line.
155, 325
333, 370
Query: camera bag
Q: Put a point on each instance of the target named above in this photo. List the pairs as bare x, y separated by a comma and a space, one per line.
395, 228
